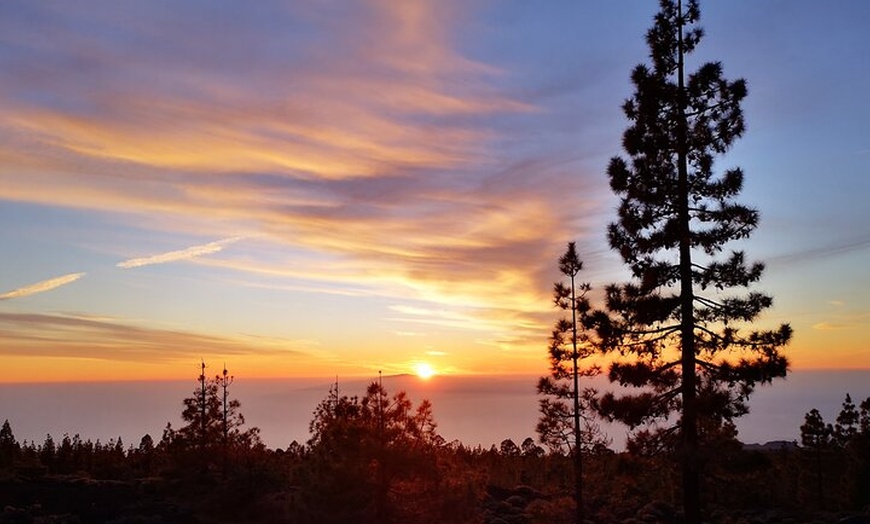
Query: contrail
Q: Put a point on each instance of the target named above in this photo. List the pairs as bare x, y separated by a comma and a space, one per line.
831, 250
182, 254
39, 287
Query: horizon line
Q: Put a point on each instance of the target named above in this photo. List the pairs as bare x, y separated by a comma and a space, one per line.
359, 377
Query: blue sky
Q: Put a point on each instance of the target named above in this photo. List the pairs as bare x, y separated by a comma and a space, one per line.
341, 187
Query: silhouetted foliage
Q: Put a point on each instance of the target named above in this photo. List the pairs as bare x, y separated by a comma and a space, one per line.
817, 440
836, 458
48, 453
852, 438
815, 434
677, 323
509, 448
864, 416
143, 457
860, 446
9, 448
529, 449
214, 421
846, 427
377, 459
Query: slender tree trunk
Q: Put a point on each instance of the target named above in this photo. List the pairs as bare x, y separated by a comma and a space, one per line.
381, 488
689, 425
225, 383
226, 426
820, 485
202, 407
578, 441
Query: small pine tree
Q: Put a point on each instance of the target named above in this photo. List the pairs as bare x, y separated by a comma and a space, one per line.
848, 423
815, 434
213, 419
864, 423
509, 448
530, 449
861, 489
817, 439
9, 448
48, 453
202, 413
567, 422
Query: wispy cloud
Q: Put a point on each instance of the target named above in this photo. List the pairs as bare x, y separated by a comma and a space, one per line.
833, 249
177, 256
81, 336
40, 287
409, 334
832, 326
853, 320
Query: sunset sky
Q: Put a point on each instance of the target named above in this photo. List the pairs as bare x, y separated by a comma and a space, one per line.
321, 188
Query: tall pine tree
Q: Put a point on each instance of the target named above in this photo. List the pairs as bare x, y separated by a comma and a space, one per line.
680, 325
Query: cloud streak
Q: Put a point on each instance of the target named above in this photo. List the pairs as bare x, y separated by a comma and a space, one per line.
32, 334
844, 321
43, 286
178, 256
815, 253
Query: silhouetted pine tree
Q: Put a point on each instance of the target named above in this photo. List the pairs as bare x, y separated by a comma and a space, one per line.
864, 417
9, 448
509, 448
677, 321
530, 449
847, 424
202, 413
861, 489
372, 460
213, 419
853, 443
817, 440
48, 453
567, 422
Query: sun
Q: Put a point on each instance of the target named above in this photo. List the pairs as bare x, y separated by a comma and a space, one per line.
424, 370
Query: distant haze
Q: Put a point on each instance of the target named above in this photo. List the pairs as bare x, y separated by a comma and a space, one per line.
474, 410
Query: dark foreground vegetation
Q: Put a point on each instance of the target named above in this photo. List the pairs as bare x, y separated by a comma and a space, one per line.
379, 458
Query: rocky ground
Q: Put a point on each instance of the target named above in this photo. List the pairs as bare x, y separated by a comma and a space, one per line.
72, 500
524, 505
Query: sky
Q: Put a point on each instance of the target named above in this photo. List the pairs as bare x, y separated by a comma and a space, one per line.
321, 188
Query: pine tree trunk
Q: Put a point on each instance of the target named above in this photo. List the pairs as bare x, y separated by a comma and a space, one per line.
578, 441
689, 425
820, 485
202, 407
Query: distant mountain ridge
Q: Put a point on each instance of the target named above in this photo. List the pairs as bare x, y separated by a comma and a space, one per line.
772, 445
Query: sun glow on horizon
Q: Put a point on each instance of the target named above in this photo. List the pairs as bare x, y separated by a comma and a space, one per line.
424, 370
